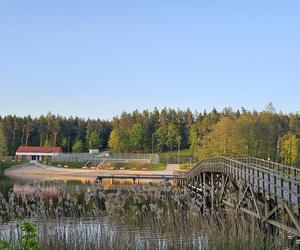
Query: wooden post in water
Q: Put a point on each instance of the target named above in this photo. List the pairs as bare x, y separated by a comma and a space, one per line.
267, 226
298, 200
200, 182
212, 192
204, 192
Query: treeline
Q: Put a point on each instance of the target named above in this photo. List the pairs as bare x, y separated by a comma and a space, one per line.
72, 134
266, 134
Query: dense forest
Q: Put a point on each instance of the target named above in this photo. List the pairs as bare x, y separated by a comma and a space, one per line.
267, 134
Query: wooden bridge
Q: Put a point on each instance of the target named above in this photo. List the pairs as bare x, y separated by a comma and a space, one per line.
268, 191
265, 190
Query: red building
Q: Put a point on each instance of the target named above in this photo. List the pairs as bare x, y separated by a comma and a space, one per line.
37, 153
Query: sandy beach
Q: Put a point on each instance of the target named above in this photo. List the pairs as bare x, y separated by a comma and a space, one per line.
42, 172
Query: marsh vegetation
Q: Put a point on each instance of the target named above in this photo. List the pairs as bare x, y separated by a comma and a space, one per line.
139, 217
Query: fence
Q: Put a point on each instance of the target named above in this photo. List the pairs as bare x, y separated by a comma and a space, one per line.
143, 158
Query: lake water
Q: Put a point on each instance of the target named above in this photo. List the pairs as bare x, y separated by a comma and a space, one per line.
97, 233
70, 183
92, 233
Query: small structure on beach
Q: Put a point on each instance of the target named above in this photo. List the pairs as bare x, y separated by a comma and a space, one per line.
94, 151
37, 153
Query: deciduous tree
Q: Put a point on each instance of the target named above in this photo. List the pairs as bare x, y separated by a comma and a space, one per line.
78, 146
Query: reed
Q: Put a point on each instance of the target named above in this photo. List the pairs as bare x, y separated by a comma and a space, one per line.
161, 210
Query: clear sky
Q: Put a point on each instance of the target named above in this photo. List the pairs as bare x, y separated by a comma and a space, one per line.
98, 58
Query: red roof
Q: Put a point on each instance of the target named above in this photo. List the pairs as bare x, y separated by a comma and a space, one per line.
46, 150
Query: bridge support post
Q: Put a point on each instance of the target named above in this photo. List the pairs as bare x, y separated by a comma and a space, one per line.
298, 201
204, 182
200, 182
266, 226
204, 193
99, 180
212, 192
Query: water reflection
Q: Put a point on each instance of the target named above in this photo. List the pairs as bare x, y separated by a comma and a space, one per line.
96, 233
50, 184
100, 232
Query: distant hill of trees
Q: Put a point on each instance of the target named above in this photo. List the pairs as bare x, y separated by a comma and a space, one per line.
266, 134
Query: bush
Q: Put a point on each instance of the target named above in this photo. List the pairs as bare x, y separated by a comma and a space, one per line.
28, 240
185, 167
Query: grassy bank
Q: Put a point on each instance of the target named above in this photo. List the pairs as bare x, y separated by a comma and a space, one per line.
185, 167
137, 166
7, 164
112, 165
185, 156
184, 152
69, 164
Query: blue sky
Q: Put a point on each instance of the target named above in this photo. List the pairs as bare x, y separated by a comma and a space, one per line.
98, 58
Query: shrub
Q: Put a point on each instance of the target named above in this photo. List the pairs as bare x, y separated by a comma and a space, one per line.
28, 240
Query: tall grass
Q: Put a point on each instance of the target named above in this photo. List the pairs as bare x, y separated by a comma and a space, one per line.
167, 212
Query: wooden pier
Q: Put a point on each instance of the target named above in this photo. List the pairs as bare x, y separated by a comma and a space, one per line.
136, 177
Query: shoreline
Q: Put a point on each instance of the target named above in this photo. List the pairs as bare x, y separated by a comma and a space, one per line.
41, 172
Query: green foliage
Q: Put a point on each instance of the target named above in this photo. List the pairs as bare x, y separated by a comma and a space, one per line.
78, 147
125, 145
263, 135
64, 145
161, 139
7, 164
28, 240
132, 139
222, 140
171, 157
3, 143
259, 134
94, 140
289, 145
47, 143
194, 138
70, 164
49, 130
4, 245
173, 136
114, 140
137, 138
185, 167
138, 166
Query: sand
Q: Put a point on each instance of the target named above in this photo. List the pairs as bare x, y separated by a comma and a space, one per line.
41, 171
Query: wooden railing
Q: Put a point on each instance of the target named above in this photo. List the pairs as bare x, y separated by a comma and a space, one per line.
275, 179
